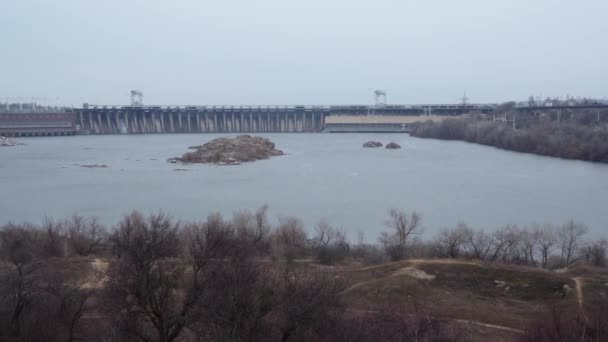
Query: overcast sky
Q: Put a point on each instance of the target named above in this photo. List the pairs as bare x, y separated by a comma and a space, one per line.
302, 52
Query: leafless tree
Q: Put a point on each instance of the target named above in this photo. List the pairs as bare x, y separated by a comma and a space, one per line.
238, 298
452, 241
144, 283
569, 237
206, 241
480, 244
42, 299
594, 253
329, 243
85, 235
402, 227
253, 227
290, 239
505, 241
309, 305
54, 241
546, 239
262, 228
529, 243
21, 277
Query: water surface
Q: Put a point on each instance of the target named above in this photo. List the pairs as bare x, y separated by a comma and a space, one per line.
322, 176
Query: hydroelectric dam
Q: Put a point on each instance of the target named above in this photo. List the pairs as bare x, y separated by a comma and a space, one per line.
140, 119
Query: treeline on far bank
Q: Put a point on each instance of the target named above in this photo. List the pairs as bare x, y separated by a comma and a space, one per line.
240, 278
580, 135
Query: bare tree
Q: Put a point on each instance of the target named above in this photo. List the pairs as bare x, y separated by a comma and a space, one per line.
239, 296
21, 278
402, 227
54, 241
569, 237
505, 242
546, 239
144, 284
452, 241
329, 243
262, 228
253, 228
206, 241
290, 239
529, 243
594, 252
309, 305
42, 299
85, 235
480, 244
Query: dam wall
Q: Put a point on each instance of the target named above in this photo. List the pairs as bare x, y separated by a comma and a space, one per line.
139, 120
30, 124
245, 119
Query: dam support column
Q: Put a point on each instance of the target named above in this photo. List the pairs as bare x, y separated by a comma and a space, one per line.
91, 121
110, 130
99, 127
242, 121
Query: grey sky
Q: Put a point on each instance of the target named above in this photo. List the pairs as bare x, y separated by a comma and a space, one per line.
304, 52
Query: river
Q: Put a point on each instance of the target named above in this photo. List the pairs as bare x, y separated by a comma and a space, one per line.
326, 176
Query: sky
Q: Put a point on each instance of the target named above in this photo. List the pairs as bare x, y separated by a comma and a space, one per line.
283, 52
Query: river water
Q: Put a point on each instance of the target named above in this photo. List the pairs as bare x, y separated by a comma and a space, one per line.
326, 176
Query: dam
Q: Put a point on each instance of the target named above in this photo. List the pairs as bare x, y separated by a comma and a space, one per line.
140, 119
249, 119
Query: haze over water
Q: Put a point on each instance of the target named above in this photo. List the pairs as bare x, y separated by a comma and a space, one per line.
322, 176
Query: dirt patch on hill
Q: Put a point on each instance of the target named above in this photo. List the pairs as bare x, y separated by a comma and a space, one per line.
414, 272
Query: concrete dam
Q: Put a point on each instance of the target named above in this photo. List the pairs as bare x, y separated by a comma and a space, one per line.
252, 119
223, 119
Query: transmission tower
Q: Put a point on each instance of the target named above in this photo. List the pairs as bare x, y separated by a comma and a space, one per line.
464, 100
380, 97
137, 97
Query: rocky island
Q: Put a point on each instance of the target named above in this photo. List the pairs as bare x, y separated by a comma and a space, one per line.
8, 142
393, 146
230, 151
373, 144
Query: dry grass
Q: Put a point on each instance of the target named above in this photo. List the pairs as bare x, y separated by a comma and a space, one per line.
487, 300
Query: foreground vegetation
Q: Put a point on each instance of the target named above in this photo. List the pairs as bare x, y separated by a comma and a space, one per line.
241, 279
582, 135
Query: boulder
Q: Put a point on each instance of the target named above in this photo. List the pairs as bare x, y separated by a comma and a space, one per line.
393, 146
230, 151
373, 144
4, 141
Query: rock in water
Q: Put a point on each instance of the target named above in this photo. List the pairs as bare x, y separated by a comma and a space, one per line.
230, 151
8, 142
392, 146
372, 144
